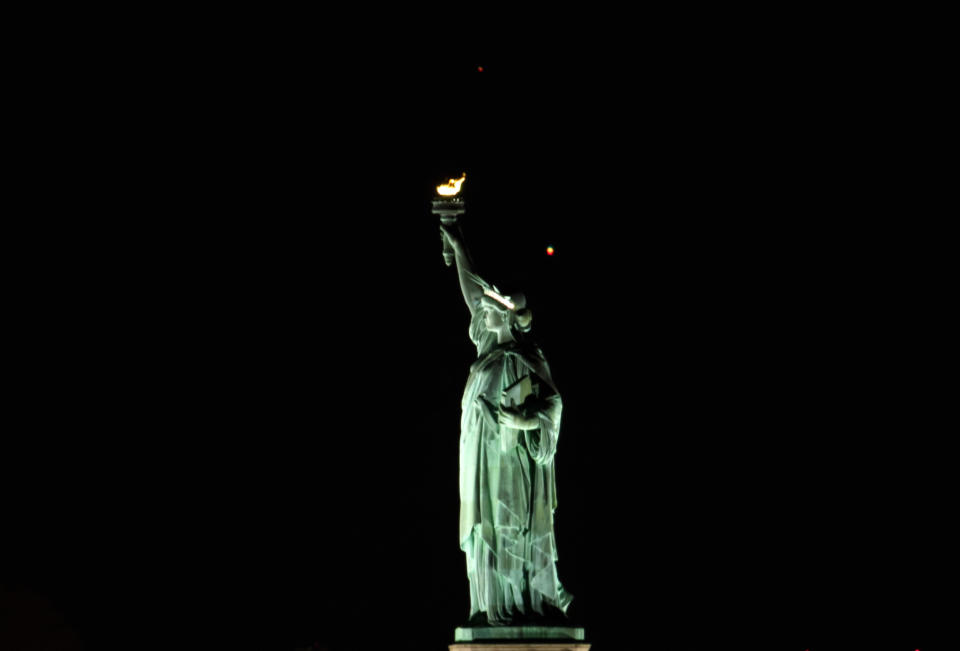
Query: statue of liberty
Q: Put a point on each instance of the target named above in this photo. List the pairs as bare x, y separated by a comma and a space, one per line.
508, 438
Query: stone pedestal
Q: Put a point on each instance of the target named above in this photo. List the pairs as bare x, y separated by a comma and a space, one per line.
521, 646
519, 638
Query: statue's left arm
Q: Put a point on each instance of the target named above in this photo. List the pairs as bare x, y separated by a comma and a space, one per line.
528, 416
539, 416
542, 439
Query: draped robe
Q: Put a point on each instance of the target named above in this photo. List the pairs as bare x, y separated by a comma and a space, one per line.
508, 486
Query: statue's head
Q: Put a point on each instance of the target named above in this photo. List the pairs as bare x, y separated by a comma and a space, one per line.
502, 310
512, 313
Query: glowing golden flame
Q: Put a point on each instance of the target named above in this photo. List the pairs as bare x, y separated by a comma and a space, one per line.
452, 187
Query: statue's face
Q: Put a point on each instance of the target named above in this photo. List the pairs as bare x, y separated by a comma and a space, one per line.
494, 320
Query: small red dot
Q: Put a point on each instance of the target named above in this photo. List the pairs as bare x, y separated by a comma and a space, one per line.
549, 250
479, 68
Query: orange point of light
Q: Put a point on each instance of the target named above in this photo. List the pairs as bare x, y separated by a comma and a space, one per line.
479, 68
550, 250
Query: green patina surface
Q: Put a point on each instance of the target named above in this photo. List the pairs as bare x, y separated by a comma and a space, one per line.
509, 426
517, 633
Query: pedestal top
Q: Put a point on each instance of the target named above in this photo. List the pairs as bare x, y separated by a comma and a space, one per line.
484, 633
518, 645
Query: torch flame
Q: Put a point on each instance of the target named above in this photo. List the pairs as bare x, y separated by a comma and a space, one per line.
452, 187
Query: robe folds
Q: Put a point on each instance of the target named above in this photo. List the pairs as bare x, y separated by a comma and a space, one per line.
508, 486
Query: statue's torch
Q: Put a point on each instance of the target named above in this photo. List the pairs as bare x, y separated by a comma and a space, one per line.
449, 207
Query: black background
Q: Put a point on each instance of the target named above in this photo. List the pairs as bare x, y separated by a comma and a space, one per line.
239, 356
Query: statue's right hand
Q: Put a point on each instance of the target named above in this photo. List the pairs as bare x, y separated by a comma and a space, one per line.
451, 235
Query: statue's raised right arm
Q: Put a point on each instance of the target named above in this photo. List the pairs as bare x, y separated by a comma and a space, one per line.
471, 290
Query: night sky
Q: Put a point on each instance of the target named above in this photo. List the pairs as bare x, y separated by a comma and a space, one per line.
236, 420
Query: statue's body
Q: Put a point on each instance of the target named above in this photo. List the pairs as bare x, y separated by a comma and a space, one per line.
508, 437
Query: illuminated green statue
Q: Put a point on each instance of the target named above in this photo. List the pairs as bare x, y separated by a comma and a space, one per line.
508, 438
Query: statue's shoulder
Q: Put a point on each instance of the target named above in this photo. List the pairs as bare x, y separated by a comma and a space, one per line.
530, 354
530, 350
